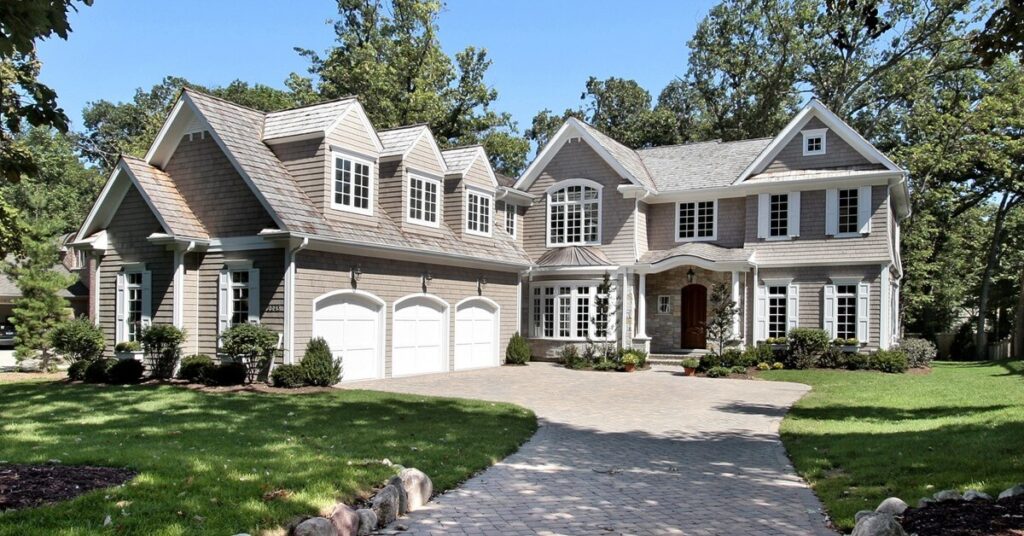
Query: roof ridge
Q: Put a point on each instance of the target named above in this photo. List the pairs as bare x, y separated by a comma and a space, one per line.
321, 103
403, 127
463, 147
222, 99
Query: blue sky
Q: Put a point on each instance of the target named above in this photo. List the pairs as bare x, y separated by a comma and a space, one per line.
543, 50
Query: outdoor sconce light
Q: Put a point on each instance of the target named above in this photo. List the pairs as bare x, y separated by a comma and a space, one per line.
690, 275
426, 278
481, 282
356, 272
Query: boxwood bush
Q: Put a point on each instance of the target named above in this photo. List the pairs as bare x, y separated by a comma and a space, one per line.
77, 340
805, 347
99, 371
76, 372
856, 361
125, 371
226, 374
717, 372
892, 361
518, 350
920, 352
288, 376
196, 368
162, 344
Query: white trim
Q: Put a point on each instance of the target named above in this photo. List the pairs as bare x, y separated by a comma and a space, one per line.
110, 199
600, 212
885, 313
438, 197
573, 270
479, 153
792, 183
178, 301
683, 260
736, 298
777, 281
668, 300
363, 118
381, 321
497, 329
641, 313
445, 324
815, 133
613, 296
332, 178
290, 253
846, 280
695, 238
482, 194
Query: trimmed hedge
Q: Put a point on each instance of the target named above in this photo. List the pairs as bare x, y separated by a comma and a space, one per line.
227, 374
920, 352
288, 376
805, 347
99, 371
892, 361
76, 372
126, 371
196, 368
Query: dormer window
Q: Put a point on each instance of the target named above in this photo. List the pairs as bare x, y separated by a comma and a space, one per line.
814, 141
352, 187
574, 213
478, 213
423, 200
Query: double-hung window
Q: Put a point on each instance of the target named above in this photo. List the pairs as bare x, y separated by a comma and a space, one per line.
352, 184
240, 291
574, 214
238, 299
847, 211
510, 220
696, 221
478, 213
423, 200
846, 311
777, 312
778, 219
570, 311
134, 307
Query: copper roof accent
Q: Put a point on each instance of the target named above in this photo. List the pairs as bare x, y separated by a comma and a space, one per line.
574, 256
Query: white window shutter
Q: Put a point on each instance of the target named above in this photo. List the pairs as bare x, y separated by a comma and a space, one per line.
864, 209
863, 290
828, 313
761, 313
794, 214
831, 212
223, 303
147, 299
254, 296
122, 300
763, 215
792, 307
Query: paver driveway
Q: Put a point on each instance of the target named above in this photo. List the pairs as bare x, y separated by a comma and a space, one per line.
646, 453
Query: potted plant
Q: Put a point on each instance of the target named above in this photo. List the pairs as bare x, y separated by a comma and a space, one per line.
690, 365
777, 343
629, 361
128, 350
849, 346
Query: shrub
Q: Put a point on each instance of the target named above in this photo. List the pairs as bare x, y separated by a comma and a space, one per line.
691, 362
251, 345
99, 371
709, 361
920, 352
289, 376
228, 374
569, 356
76, 372
518, 350
758, 353
856, 361
630, 358
717, 372
892, 361
778, 366
196, 368
128, 346
126, 371
606, 364
731, 357
162, 344
77, 340
641, 356
763, 366
832, 357
738, 369
805, 347
319, 367
846, 342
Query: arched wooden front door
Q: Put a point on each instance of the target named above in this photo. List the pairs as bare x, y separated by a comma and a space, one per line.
695, 314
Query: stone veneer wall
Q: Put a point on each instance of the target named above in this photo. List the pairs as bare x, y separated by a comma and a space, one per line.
665, 330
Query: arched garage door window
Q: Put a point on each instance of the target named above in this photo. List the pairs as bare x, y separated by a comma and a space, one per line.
352, 323
476, 333
419, 342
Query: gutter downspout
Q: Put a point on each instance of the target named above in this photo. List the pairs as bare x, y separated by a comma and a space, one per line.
289, 301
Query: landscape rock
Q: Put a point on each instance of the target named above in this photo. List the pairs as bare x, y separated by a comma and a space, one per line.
974, 495
878, 524
385, 505
892, 505
1012, 492
314, 526
862, 513
367, 521
403, 497
418, 487
948, 495
345, 520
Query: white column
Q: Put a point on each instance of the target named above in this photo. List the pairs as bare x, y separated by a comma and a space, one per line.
641, 321
736, 326
178, 303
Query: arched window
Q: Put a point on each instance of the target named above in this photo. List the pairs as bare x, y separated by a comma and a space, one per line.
574, 213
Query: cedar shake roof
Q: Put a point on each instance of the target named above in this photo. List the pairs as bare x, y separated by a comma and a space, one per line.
304, 120
160, 189
624, 155
701, 250
459, 159
574, 256
397, 141
707, 164
504, 180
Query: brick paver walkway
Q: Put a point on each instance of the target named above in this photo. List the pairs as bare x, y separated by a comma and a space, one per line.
645, 453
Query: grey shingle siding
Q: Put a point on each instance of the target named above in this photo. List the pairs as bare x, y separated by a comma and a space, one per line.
838, 154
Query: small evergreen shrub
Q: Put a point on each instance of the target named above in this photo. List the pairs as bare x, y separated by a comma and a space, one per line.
288, 376
920, 352
805, 347
731, 357
126, 371
606, 364
856, 361
227, 374
758, 353
196, 368
76, 372
162, 344
77, 340
99, 371
832, 357
738, 369
717, 372
518, 350
709, 361
319, 367
569, 356
763, 366
251, 345
891, 361
128, 346
691, 362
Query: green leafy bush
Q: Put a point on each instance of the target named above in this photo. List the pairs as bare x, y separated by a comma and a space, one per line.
630, 358
776, 340
196, 368
892, 361
738, 369
805, 347
518, 350
288, 376
76, 372
920, 352
77, 340
763, 366
731, 357
319, 367
641, 356
126, 371
691, 362
251, 345
162, 344
856, 361
569, 356
709, 361
717, 372
226, 374
832, 357
99, 371
758, 353
605, 364
128, 346
778, 365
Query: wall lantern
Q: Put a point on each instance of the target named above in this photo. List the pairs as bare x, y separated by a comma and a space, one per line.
481, 282
426, 278
356, 272
690, 276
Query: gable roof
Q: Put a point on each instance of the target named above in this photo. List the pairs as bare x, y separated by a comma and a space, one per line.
313, 120
707, 164
398, 141
162, 194
461, 159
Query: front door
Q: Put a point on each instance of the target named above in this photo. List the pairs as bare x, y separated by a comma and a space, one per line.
695, 313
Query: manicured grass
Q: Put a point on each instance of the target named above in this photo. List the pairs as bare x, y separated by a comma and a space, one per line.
860, 437
213, 463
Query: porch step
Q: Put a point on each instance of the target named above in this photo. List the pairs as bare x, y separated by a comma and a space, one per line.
674, 358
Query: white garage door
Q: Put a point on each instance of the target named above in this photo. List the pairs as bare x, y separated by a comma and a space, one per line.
419, 336
351, 324
476, 335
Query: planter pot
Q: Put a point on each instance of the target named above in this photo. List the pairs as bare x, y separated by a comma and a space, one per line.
128, 355
776, 347
689, 371
629, 367
850, 348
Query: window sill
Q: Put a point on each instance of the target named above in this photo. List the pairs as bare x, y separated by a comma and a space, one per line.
352, 210
778, 238
478, 233
423, 223
698, 239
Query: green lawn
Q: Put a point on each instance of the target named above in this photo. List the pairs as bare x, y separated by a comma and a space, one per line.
206, 461
860, 437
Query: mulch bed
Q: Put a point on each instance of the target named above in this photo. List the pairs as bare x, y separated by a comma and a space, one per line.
967, 518
27, 486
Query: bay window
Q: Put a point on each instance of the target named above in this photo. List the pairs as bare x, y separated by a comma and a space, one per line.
574, 213
570, 311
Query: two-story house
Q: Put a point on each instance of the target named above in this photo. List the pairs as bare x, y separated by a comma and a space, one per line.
411, 260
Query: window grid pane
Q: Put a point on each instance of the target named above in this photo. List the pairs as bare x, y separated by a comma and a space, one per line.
848, 211
779, 215
422, 200
478, 213
697, 220
133, 309
846, 311
510, 220
582, 314
777, 311
814, 144
568, 311
575, 215
239, 297
351, 184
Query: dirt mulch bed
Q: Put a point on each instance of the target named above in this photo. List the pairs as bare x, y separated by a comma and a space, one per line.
13, 377
967, 518
27, 486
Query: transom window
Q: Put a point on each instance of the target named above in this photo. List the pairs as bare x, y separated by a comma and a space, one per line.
353, 185
569, 311
777, 313
847, 200
664, 305
574, 215
778, 215
696, 220
478, 213
814, 141
423, 197
510, 220
846, 311
133, 305
240, 297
